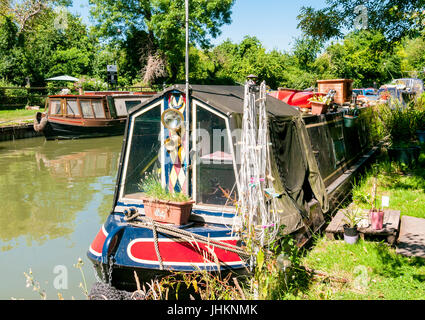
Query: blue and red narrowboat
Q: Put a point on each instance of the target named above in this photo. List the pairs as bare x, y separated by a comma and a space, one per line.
192, 144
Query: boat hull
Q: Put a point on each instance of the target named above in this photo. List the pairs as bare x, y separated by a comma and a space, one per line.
135, 249
124, 278
57, 129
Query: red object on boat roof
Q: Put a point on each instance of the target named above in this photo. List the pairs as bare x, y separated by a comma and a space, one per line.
296, 98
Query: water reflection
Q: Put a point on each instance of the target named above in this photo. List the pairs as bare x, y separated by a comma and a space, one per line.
54, 195
43, 184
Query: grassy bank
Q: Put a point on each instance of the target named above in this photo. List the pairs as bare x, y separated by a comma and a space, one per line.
19, 116
365, 271
404, 186
371, 270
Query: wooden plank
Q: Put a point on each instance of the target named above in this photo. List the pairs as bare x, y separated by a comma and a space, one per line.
411, 242
391, 224
335, 225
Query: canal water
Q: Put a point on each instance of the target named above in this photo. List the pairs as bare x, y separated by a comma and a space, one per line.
54, 196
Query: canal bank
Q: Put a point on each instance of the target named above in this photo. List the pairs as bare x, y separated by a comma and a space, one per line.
20, 131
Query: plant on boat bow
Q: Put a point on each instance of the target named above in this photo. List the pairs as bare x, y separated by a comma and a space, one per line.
162, 205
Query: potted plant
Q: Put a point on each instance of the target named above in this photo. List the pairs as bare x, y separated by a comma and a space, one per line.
352, 217
400, 124
376, 215
164, 206
319, 104
351, 116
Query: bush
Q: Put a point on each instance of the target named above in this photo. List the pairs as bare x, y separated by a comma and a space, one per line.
11, 96
400, 124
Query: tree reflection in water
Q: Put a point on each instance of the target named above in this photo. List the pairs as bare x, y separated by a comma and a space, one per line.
44, 184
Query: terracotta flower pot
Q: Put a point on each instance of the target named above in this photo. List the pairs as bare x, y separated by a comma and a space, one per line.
377, 219
177, 213
318, 107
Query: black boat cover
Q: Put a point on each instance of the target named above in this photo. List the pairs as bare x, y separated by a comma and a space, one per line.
294, 166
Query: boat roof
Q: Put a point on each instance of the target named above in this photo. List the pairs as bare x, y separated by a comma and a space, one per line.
87, 96
99, 95
227, 99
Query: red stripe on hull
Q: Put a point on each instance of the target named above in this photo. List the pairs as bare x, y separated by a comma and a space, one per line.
180, 253
97, 244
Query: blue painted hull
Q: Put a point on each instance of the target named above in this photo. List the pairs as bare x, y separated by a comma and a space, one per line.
133, 249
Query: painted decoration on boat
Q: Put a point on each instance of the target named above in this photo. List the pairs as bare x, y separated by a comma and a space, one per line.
176, 162
182, 253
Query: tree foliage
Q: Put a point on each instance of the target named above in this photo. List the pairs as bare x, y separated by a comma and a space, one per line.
395, 19
363, 58
41, 49
160, 25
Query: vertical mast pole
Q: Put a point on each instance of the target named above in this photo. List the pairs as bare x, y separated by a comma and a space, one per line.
187, 51
187, 191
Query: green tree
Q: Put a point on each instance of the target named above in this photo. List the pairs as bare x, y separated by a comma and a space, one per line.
363, 58
393, 18
412, 53
159, 27
44, 48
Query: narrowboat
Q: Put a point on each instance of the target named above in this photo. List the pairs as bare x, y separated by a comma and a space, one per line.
312, 161
87, 115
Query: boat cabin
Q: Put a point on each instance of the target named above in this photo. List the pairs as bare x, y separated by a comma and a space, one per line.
86, 116
192, 148
94, 106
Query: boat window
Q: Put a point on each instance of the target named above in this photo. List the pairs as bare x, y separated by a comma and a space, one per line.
215, 176
86, 108
55, 107
131, 104
98, 108
144, 153
72, 108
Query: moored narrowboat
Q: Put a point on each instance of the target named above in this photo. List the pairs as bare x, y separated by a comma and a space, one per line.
193, 147
86, 116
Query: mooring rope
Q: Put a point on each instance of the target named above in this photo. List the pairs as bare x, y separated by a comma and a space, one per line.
155, 237
139, 221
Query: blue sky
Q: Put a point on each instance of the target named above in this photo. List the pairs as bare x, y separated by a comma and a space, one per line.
274, 22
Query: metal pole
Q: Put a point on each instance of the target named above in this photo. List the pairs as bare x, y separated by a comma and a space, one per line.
187, 51
187, 93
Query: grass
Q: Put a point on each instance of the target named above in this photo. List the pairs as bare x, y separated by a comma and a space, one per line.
371, 270
404, 186
11, 117
367, 271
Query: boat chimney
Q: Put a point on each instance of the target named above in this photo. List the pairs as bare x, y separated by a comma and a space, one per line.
252, 82
252, 78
